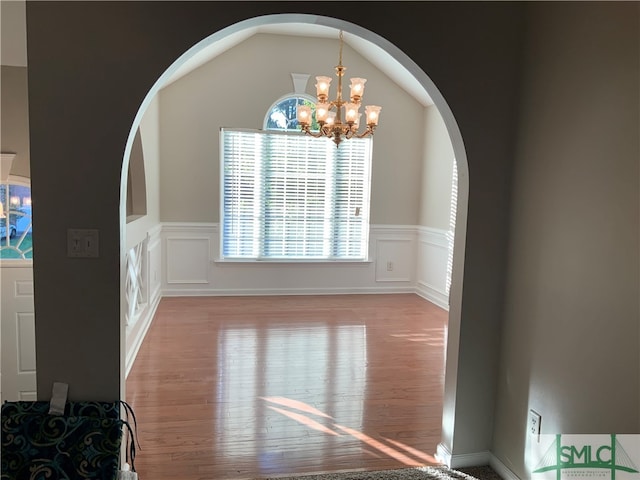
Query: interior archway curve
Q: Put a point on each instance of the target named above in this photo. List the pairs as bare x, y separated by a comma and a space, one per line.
243, 29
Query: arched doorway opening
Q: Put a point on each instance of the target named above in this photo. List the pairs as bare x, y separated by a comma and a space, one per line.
407, 64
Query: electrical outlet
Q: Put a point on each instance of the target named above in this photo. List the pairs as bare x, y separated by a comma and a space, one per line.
389, 266
535, 419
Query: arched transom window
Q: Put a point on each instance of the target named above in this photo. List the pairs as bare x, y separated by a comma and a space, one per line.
282, 114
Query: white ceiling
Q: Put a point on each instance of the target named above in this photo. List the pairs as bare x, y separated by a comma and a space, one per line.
374, 54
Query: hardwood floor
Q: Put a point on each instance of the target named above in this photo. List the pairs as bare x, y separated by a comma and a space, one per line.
251, 387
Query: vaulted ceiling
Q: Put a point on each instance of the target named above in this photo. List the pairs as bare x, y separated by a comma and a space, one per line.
371, 52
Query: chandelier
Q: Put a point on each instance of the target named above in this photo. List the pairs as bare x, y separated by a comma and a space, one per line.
329, 114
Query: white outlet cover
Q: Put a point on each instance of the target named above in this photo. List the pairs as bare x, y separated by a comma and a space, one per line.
535, 419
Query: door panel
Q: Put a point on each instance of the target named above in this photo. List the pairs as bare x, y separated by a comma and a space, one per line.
17, 332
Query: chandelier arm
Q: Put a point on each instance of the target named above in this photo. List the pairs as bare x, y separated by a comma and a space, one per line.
350, 133
308, 131
328, 130
366, 133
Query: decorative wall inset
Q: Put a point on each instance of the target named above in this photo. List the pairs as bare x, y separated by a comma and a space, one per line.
188, 260
191, 247
395, 254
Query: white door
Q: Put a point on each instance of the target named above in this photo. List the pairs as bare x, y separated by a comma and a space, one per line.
17, 321
17, 332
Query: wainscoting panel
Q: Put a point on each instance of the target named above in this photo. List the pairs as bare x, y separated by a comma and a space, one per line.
151, 275
154, 255
432, 264
188, 260
187, 250
395, 258
187, 244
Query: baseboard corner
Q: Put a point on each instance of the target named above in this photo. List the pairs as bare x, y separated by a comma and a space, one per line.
501, 469
443, 455
433, 295
476, 459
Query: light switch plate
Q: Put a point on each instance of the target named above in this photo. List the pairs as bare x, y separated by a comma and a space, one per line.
83, 243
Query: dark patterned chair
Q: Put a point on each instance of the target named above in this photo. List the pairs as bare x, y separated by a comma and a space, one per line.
83, 443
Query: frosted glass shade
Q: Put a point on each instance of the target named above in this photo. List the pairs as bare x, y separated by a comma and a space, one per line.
322, 86
351, 112
357, 88
373, 114
304, 114
322, 112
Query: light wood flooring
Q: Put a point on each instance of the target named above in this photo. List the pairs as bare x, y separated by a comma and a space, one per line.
252, 387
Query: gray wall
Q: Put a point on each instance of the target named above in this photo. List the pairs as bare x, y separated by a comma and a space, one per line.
195, 107
13, 48
14, 118
437, 172
89, 75
571, 326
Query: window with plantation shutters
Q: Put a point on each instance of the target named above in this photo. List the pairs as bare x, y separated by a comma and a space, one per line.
289, 196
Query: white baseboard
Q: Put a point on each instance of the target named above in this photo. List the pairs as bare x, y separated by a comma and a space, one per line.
477, 459
501, 469
202, 292
470, 459
433, 295
141, 333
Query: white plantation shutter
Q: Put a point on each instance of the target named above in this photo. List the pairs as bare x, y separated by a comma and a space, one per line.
351, 199
240, 194
290, 196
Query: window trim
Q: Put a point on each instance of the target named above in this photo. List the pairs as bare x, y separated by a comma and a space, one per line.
293, 261
279, 100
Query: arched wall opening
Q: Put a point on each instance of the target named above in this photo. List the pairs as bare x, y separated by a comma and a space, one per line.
455, 296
